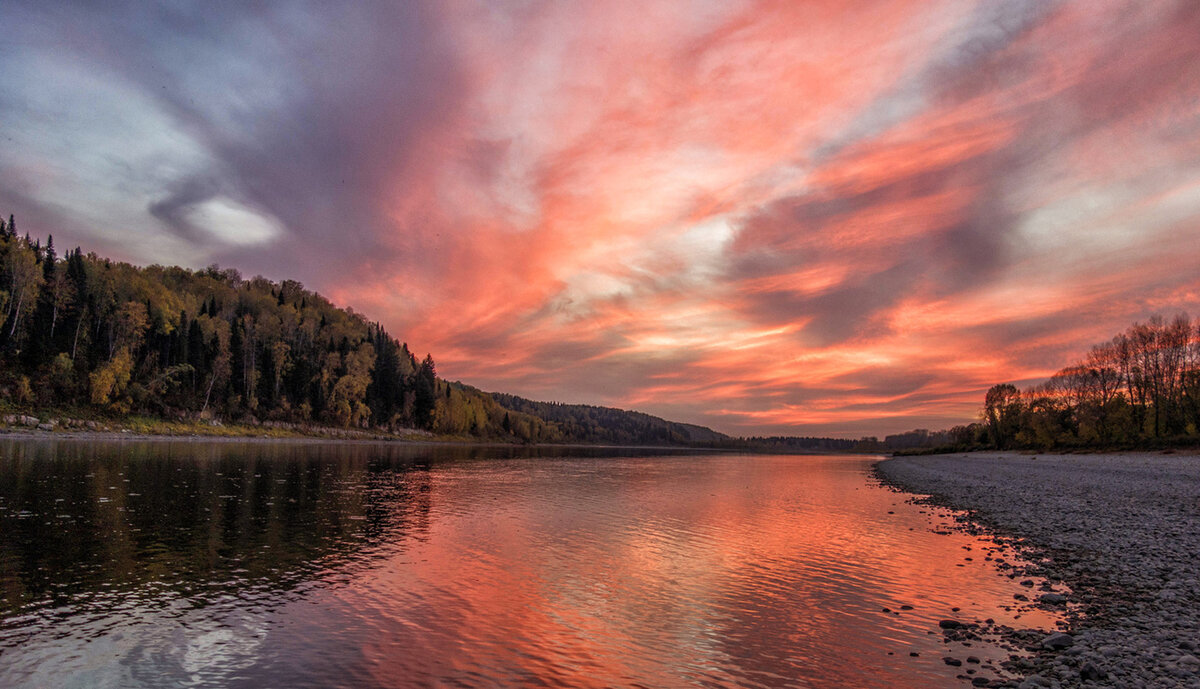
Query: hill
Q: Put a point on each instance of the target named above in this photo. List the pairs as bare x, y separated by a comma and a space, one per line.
96, 336
591, 424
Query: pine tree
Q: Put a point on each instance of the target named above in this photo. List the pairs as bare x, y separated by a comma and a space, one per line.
237, 377
77, 275
196, 352
426, 393
179, 340
40, 348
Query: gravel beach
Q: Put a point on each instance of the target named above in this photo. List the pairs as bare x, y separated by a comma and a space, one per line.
1122, 531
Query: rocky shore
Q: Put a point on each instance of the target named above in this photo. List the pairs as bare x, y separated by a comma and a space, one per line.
1121, 532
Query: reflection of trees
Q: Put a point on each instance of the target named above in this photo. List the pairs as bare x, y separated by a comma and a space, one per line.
201, 520
197, 519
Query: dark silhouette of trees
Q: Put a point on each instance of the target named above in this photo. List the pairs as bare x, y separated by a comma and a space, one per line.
425, 398
1002, 408
1142, 388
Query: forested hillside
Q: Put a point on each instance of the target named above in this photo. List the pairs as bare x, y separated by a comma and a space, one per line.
582, 422
86, 333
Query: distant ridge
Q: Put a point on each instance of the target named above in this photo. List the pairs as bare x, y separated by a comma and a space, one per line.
607, 425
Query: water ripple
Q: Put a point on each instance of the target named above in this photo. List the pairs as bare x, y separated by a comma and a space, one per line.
205, 565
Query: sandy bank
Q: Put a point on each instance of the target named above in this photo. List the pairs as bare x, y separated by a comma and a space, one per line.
1121, 530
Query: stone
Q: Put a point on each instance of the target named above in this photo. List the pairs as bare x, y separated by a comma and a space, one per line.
1052, 598
1058, 641
955, 662
1090, 671
951, 624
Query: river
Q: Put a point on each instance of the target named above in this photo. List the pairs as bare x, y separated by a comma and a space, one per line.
307, 564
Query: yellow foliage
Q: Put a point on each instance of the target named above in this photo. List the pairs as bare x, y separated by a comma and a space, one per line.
111, 379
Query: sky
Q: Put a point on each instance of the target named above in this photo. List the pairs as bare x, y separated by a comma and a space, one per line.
804, 218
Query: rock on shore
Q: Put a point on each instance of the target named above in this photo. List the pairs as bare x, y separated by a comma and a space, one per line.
1121, 530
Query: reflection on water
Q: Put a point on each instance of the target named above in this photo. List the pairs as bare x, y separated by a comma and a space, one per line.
131, 564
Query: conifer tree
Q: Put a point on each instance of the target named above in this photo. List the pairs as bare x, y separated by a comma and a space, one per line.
426, 393
40, 347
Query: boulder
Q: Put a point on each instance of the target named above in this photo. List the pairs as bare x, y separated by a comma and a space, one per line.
1058, 641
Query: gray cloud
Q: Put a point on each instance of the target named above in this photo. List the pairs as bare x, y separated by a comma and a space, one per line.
173, 209
316, 113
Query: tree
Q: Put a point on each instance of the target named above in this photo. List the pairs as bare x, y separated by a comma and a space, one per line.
1002, 407
425, 386
129, 328
110, 380
25, 281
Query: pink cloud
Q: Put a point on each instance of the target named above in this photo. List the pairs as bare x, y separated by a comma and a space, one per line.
771, 217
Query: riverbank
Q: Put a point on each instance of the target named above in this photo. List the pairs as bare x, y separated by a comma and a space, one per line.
28, 426
1121, 530
189, 431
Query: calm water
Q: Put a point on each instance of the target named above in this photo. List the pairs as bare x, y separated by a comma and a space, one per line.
135, 564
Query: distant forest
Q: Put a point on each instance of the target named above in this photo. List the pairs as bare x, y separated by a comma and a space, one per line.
87, 334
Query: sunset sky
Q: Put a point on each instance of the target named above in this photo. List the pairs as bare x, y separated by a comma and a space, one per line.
795, 217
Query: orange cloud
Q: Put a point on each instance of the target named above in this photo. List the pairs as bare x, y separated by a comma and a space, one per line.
770, 217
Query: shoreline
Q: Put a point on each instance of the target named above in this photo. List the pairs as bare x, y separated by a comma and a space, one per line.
1121, 531
315, 438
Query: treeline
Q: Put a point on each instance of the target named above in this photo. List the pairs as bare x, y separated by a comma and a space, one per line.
82, 332
789, 444
1142, 388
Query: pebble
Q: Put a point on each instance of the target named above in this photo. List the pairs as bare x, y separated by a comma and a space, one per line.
1058, 641
1114, 536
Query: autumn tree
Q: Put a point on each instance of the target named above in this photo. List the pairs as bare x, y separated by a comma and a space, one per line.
1002, 408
